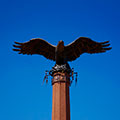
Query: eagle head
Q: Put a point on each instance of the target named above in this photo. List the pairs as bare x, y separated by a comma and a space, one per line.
60, 45
61, 42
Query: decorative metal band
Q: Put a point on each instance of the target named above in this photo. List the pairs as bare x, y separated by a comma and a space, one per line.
61, 77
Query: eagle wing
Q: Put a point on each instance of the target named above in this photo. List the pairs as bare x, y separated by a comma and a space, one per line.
36, 46
84, 45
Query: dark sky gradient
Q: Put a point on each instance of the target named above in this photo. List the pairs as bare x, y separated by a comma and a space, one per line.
97, 94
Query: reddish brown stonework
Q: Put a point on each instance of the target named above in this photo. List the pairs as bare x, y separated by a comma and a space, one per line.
61, 99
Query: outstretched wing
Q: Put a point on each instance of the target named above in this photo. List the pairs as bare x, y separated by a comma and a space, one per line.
84, 45
36, 46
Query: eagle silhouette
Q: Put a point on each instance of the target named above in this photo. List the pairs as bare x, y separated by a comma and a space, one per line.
60, 53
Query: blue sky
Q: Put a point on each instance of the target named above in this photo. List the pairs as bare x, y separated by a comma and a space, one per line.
97, 94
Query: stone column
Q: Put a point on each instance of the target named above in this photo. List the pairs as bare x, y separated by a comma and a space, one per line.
61, 98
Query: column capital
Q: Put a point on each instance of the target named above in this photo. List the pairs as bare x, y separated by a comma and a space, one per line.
64, 68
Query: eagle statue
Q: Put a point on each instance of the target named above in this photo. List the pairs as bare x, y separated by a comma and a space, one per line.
60, 53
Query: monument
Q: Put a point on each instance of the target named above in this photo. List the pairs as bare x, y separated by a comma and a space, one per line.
61, 72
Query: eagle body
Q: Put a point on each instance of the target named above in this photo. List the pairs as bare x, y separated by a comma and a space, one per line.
60, 53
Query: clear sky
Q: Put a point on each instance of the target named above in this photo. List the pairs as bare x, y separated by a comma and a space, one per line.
97, 94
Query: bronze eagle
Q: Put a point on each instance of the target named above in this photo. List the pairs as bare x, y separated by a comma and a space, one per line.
60, 53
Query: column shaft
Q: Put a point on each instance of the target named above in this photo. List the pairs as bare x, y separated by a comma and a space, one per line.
60, 98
